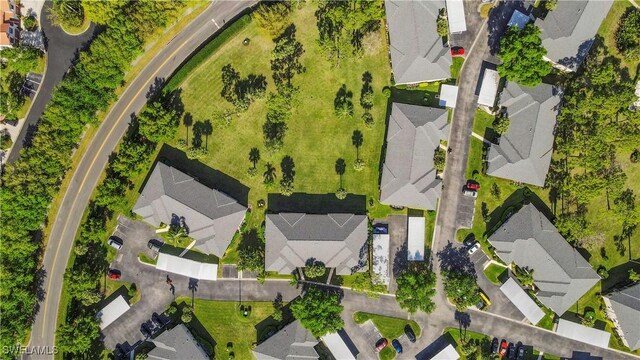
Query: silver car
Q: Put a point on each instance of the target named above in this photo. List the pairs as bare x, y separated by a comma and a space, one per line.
471, 193
115, 242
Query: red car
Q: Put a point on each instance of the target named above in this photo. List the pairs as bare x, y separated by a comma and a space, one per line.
503, 348
113, 274
472, 185
457, 51
381, 344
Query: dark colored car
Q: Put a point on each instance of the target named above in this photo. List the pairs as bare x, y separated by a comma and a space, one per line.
521, 351
495, 345
396, 345
469, 240
155, 245
157, 321
115, 242
410, 334
472, 185
512, 352
457, 51
146, 330
113, 274
503, 348
381, 344
380, 229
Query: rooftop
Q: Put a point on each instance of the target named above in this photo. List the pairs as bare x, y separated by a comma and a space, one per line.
293, 342
112, 311
175, 344
626, 306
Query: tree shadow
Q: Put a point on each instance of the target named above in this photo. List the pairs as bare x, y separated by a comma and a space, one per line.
201, 128
343, 103
573, 62
155, 87
497, 22
269, 326
456, 259
317, 203
288, 168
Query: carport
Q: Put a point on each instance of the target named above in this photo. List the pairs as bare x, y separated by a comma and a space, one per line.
190, 268
522, 301
112, 311
582, 333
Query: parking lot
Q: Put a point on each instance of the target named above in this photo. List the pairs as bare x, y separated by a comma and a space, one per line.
31, 84
465, 212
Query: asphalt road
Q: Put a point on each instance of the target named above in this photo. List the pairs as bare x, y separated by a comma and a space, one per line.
62, 50
94, 160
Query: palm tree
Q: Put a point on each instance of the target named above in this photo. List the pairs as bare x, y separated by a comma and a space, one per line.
254, 156
356, 140
269, 174
341, 166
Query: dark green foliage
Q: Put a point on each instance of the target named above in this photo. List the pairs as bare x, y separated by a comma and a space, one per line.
439, 157
550, 4
416, 287
273, 16
501, 124
78, 336
30, 23
340, 168
5, 141
254, 156
366, 94
32, 181
524, 276
285, 58
269, 174
461, 288
158, 122
241, 92
101, 12
357, 139
318, 311
67, 13
342, 104
635, 156
628, 34
287, 166
521, 53
442, 23
343, 24
314, 269
12, 99
274, 134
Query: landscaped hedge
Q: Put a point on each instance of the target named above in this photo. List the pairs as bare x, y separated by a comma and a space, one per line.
30, 184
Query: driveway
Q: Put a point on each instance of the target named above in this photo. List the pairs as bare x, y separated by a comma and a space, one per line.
473, 20
62, 50
397, 246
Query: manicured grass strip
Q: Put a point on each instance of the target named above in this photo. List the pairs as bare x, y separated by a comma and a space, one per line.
494, 272
206, 52
223, 321
387, 353
389, 327
456, 66
146, 259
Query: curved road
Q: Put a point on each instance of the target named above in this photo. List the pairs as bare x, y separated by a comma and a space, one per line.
94, 160
62, 50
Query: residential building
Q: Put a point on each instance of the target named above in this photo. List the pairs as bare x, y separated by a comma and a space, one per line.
409, 177
112, 311
10, 26
623, 308
172, 197
293, 342
524, 151
175, 344
337, 240
560, 274
418, 53
568, 31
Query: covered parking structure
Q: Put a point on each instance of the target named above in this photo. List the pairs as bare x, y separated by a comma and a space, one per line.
112, 311
522, 301
187, 267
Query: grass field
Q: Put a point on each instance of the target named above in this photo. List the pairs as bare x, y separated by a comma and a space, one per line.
494, 273
224, 322
389, 327
315, 138
608, 31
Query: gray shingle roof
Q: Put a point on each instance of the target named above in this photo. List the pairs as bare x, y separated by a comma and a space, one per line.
337, 240
626, 305
408, 176
175, 344
293, 342
417, 51
569, 30
560, 273
211, 216
524, 152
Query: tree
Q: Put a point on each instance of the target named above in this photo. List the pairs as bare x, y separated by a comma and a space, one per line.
277, 308
442, 23
625, 207
572, 226
67, 13
439, 157
318, 311
634, 276
102, 12
285, 58
495, 191
635, 156
501, 123
251, 259
274, 132
269, 174
524, 276
273, 16
158, 123
521, 52
341, 194
368, 120
550, 5
78, 336
357, 140
628, 35
416, 288
314, 269
461, 288
254, 156
340, 168
187, 315
366, 94
342, 104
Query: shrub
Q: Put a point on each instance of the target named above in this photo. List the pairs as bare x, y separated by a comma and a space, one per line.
501, 124
439, 159
635, 156
368, 120
252, 171
341, 194
386, 92
358, 165
133, 290
187, 315
30, 23
628, 34
603, 272
6, 141
315, 270
442, 23
589, 318
550, 4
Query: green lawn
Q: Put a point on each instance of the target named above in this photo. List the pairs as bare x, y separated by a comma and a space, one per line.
456, 66
224, 322
608, 31
482, 124
494, 273
315, 138
389, 327
454, 335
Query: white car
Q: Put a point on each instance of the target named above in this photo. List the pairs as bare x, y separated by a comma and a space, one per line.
471, 193
115, 242
474, 248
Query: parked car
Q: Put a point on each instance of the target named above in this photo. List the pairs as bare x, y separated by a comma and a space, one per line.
113, 274
503, 348
469, 240
381, 344
115, 242
495, 345
396, 345
158, 319
511, 352
380, 229
457, 51
145, 330
473, 185
410, 334
474, 248
470, 193
155, 245
521, 351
